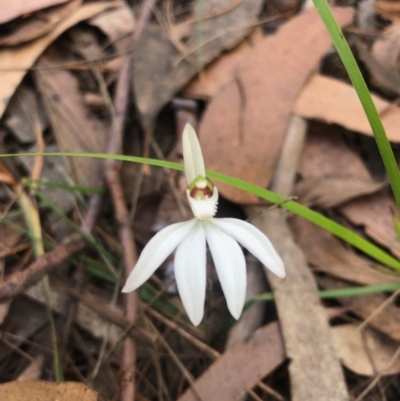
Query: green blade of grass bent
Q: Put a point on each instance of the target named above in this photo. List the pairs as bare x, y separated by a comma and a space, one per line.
329, 225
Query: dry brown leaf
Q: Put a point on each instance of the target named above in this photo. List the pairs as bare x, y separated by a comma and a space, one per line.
329, 255
248, 118
222, 70
386, 48
23, 116
75, 128
241, 367
10, 237
39, 23
332, 191
46, 391
15, 62
161, 69
320, 159
333, 101
117, 24
17, 8
373, 212
326, 154
351, 346
386, 320
4, 308
387, 7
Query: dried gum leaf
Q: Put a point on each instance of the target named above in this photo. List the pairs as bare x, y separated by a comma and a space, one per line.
332, 191
333, 101
244, 125
351, 344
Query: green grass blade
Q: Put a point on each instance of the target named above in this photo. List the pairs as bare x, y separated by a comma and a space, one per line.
316, 218
361, 88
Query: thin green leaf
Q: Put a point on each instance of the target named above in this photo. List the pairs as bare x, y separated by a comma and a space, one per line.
316, 218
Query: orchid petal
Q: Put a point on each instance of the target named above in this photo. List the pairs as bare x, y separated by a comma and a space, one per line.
254, 241
192, 156
156, 251
230, 265
190, 272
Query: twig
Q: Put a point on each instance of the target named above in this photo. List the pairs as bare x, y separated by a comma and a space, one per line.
121, 211
17, 283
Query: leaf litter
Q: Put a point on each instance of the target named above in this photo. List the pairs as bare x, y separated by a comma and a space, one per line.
240, 73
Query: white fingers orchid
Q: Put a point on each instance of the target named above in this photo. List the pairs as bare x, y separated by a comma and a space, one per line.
223, 236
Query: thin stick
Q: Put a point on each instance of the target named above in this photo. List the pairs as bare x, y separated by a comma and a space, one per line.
121, 211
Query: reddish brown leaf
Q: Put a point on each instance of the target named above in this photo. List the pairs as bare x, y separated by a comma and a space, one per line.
244, 125
333, 101
222, 70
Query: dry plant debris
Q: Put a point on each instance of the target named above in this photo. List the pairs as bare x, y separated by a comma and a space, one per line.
103, 76
255, 107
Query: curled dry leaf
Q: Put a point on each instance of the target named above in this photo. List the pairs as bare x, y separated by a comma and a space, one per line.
16, 61
18, 8
46, 391
388, 9
333, 101
248, 118
38, 24
383, 77
386, 48
117, 24
332, 191
164, 64
351, 346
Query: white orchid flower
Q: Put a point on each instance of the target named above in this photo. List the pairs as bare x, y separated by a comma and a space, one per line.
190, 237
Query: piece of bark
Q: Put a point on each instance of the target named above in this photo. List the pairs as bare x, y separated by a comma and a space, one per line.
302, 317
